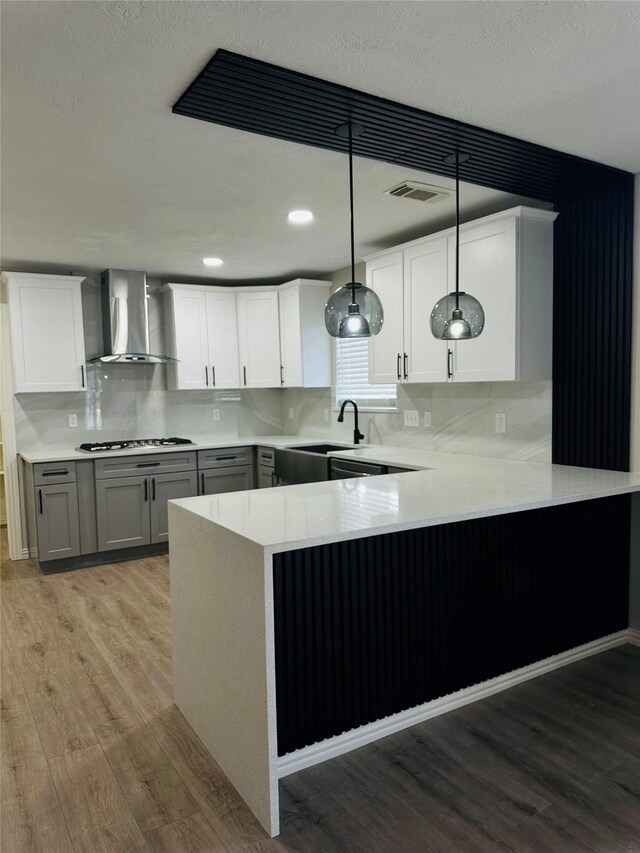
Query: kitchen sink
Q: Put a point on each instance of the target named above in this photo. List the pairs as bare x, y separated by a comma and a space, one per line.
320, 448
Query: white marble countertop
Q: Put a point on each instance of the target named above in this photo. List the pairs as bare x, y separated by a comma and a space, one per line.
238, 441
455, 487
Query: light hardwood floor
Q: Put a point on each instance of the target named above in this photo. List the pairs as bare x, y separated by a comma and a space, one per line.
95, 757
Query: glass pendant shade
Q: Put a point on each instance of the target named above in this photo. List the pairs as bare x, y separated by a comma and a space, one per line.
353, 311
451, 323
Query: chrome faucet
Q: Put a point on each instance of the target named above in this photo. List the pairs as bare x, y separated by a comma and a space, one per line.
357, 435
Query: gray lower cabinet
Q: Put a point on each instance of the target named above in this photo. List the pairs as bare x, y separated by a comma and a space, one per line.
168, 487
124, 519
265, 477
132, 511
57, 524
216, 481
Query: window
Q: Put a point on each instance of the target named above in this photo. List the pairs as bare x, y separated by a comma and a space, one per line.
352, 377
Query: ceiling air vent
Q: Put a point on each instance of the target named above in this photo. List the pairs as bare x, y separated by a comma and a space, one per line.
418, 192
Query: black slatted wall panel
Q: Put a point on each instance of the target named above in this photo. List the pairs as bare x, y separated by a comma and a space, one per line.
375, 626
592, 324
592, 388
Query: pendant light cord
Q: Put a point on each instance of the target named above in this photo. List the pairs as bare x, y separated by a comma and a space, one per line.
457, 228
353, 251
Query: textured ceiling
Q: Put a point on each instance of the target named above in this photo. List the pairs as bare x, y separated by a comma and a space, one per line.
97, 172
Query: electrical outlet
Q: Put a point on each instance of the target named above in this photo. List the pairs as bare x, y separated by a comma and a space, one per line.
325, 415
411, 418
290, 414
73, 421
216, 414
427, 419
501, 423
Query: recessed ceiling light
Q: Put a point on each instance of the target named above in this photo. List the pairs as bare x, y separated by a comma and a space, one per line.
212, 262
300, 217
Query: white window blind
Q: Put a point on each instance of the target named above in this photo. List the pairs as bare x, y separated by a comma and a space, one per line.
352, 376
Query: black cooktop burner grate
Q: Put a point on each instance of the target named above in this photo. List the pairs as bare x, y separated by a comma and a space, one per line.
133, 444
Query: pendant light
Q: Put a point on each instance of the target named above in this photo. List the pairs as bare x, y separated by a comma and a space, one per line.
354, 310
457, 316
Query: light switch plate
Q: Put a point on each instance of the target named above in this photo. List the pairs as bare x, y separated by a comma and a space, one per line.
325, 415
427, 419
501, 423
73, 421
216, 414
411, 418
290, 414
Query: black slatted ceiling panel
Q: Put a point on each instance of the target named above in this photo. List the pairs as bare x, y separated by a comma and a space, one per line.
593, 246
371, 627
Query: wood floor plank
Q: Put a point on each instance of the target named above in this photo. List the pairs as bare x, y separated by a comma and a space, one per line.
154, 790
32, 820
148, 688
61, 722
218, 800
106, 705
193, 834
13, 697
93, 804
19, 739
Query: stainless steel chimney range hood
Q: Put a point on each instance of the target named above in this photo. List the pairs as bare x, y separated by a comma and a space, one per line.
125, 319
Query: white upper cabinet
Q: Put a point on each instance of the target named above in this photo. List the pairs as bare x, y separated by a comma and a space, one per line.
305, 345
202, 334
47, 337
506, 262
259, 339
222, 337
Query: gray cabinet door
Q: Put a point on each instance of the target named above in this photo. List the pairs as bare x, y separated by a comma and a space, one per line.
216, 482
57, 521
166, 487
122, 505
265, 477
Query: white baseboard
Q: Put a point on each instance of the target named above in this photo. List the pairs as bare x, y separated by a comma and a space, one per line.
341, 744
633, 636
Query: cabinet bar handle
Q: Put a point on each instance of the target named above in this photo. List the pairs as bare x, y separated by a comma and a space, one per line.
202, 484
282, 374
406, 366
398, 368
153, 488
40, 499
213, 375
224, 458
146, 490
244, 370
147, 464
206, 375
54, 473
82, 374
449, 364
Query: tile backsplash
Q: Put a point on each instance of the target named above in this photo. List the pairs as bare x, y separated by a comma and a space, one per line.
462, 418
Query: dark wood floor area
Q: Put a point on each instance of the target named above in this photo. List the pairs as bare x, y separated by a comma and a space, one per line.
95, 757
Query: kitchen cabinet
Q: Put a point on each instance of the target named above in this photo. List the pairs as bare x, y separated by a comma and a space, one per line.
305, 346
47, 337
132, 494
57, 522
265, 462
259, 339
201, 328
506, 261
225, 469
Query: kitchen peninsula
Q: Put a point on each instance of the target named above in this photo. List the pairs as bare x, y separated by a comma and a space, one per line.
312, 619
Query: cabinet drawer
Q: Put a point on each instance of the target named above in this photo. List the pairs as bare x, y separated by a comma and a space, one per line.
45, 473
152, 463
224, 457
266, 456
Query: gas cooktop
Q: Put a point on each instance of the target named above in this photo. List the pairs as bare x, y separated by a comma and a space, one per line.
133, 444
